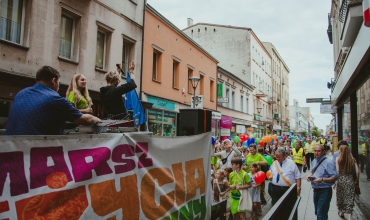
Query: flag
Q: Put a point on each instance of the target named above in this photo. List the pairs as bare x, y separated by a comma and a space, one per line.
132, 102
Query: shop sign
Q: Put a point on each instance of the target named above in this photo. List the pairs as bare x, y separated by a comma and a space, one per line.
257, 117
219, 90
365, 127
198, 100
223, 100
161, 103
226, 122
276, 116
277, 127
250, 130
240, 129
225, 132
216, 115
159, 118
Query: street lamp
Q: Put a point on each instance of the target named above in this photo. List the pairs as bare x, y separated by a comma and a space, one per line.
259, 108
194, 82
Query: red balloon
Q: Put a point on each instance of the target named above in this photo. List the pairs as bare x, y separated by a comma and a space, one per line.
261, 143
259, 177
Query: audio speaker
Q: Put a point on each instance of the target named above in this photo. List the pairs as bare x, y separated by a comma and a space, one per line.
194, 121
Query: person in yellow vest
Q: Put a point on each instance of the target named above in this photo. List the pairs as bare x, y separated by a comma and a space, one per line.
299, 155
324, 143
309, 150
362, 154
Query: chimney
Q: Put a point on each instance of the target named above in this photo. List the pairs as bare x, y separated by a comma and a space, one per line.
190, 22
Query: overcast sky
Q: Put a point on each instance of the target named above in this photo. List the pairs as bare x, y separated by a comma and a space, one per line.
297, 28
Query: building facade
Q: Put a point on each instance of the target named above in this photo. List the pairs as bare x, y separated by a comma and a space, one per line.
88, 37
242, 54
280, 90
170, 58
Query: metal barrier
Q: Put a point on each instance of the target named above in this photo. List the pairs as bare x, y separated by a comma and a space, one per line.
286, 207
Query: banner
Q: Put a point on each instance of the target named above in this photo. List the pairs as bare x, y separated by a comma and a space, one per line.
105, 176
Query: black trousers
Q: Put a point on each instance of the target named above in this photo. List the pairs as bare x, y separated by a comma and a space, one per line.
308, 157
362, 161
276, 192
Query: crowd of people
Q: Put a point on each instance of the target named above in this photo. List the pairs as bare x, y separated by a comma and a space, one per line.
40, 110
236, 162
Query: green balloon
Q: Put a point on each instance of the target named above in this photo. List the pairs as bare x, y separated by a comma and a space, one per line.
253, 135
268, 159
294, 143
236, 139
257, 140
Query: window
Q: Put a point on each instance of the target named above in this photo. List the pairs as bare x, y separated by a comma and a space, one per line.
212, 91
66, 37
190, 74
228, 96
11, 20
155, 65
247, 106
233, 99
125, 60
100, 50
241, 103
201, 85
175, 74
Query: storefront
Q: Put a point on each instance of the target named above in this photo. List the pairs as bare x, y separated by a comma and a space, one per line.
216, 129
162, 117
277, 129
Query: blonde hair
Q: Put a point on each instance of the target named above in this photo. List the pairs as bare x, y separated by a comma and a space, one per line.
73, 87
345, 160
111, 76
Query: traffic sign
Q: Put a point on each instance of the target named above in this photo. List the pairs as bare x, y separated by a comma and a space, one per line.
225, 100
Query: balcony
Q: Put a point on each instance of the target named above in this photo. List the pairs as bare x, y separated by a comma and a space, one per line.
352, 15
260, 94
271, 100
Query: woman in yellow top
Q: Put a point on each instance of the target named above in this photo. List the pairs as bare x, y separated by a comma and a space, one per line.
78, 94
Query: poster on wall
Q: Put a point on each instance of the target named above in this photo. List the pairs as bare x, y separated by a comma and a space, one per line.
105, 176
225, 124
240, 129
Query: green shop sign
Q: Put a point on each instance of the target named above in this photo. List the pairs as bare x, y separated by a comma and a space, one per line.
219, 90
257, 117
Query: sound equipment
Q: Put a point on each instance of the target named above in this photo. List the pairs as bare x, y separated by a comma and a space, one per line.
106, 126
194, 121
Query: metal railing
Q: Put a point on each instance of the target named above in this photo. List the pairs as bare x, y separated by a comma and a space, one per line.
286, 208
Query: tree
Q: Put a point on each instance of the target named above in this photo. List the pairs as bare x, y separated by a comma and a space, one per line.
304, 133
315, 132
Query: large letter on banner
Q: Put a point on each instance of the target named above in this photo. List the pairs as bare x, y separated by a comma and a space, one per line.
106, 176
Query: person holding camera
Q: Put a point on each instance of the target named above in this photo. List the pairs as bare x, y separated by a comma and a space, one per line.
229, 153
322, 178
111, 95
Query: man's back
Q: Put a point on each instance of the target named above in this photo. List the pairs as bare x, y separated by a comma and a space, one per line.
39, 110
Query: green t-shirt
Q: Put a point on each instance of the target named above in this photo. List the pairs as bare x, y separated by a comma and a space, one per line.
253, 159
82, 104
238, 181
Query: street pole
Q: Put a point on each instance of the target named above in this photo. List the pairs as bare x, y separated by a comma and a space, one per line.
194, 97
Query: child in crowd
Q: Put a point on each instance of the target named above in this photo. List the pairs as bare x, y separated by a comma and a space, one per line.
255, 192
220, 186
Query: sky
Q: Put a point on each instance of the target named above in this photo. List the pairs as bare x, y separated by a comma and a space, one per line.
297, 29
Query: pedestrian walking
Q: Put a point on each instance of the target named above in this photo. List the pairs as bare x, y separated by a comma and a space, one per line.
322, 177
347, 180
309, 151
284, 173
299, 156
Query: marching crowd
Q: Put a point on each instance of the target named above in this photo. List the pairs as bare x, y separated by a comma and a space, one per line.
242, 165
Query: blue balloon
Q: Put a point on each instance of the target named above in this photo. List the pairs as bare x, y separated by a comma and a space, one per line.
245, 143
213, 140
251, 141
279, 138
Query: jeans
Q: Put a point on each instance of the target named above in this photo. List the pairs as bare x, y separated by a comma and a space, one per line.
321, 199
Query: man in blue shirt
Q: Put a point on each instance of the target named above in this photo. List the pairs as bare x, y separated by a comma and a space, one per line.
40, 110
322, 177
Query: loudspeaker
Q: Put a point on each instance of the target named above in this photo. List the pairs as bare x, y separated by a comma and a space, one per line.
194, 121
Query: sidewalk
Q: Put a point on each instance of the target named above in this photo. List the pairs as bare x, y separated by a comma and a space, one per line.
306, 208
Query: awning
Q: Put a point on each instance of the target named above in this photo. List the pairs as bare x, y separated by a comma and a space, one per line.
254, 126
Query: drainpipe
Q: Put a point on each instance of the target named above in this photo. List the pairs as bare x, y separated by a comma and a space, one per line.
142, 51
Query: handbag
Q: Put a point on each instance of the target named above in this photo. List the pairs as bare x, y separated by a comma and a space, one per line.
354, 174
220, 198
245, 201
225, 159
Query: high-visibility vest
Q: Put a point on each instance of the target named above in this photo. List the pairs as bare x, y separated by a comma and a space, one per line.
312, 148
323, 142
364, 149
298, 156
